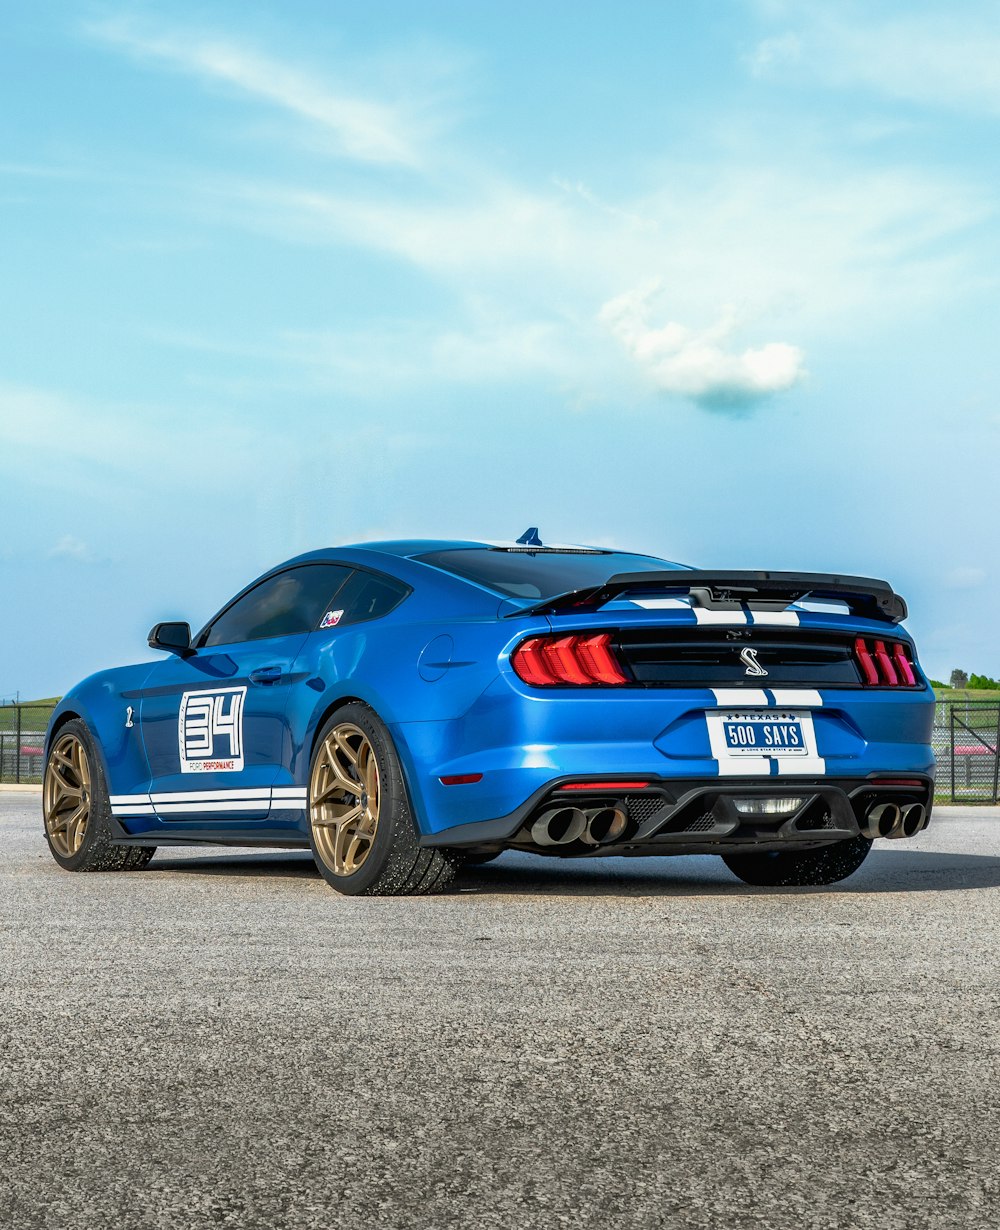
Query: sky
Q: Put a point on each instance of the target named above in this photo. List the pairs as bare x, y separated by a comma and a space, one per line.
713, 282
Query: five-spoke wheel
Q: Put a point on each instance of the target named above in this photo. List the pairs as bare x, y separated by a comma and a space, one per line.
344, 798
66, 794
363, 835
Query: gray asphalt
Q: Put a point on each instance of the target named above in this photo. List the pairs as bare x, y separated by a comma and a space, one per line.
220, 1040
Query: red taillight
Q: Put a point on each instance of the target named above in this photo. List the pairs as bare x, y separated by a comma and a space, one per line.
577, 660
597, 658
903, 665
884, 665
561, 659
529, 664
868, 668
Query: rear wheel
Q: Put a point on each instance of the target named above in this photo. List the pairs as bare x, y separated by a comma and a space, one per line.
77, 808
361, 828
801, 868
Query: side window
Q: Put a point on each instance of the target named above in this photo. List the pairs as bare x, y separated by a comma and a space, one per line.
367, 595
284, 604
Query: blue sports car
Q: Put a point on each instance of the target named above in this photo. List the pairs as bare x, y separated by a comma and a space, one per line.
405, 708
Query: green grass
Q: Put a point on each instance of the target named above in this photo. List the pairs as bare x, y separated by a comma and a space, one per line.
957, 695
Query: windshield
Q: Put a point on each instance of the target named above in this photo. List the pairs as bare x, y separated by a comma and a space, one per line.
540, 574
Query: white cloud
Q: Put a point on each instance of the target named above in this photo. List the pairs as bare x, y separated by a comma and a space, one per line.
966, 577
359, 127
70, 547
771, 53
946, 58
788, 228
699, 363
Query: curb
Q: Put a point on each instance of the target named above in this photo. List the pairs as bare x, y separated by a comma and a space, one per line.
11, 788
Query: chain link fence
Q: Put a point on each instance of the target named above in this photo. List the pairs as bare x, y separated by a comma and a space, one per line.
966, 743
22, 739
967, 746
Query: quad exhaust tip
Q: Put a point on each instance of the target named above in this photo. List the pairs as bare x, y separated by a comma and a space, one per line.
890, 820
604, 825
558, 827
597, 826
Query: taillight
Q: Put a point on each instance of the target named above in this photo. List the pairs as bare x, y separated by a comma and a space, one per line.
580, 660
882, 665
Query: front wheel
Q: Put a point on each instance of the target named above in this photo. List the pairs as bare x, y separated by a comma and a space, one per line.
801, 868
77, 808
362, 832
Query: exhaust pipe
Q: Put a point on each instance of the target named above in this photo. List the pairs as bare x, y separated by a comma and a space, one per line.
882, 821
558, 827
604, 825
912, 821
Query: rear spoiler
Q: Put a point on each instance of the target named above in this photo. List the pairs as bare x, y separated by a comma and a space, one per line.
864, 596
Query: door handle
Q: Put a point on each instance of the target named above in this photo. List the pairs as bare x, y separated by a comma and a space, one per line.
266, 675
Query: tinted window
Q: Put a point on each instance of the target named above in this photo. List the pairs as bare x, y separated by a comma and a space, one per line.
290, 602
367, 595
522, 574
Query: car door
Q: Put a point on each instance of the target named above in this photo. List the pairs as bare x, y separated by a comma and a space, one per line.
214, 721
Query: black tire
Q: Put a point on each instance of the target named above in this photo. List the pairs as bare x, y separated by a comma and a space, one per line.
801, 868
97, 850
394, 864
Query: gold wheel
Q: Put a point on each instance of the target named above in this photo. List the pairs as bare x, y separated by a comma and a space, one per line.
67, 795
344, 799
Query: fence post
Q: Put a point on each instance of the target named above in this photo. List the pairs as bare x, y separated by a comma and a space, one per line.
951, 742
17, 746
996, 757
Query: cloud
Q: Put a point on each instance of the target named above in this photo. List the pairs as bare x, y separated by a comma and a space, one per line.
698, 364
946, 58
771, 53
71, 548
359, 128
966, 577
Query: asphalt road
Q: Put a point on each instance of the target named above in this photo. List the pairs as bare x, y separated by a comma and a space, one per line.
220, 1040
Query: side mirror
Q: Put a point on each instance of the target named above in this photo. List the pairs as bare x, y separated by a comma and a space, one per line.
171, 638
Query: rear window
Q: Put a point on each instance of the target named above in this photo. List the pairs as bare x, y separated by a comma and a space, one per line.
539, 574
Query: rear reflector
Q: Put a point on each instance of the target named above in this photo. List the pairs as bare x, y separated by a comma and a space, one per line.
910, 782
579, 660
884, 665
461, 779
603, 786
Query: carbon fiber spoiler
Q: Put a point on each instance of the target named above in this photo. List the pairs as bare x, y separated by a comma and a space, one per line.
864, 596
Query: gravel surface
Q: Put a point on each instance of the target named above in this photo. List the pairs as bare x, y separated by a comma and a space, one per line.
220, 1040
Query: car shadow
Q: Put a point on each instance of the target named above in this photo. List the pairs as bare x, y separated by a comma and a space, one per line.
884, 871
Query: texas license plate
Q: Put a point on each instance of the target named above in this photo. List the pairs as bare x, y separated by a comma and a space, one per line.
763, 734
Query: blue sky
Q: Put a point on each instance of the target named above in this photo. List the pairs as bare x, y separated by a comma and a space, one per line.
717, 282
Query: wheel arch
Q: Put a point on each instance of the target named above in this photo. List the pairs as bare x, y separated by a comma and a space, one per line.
402, 751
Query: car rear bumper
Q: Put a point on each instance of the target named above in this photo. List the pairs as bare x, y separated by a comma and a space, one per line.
703, 816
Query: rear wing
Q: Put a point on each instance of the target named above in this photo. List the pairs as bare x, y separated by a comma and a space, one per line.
864, 596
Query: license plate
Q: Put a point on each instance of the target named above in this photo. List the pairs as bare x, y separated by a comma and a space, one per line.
763, 734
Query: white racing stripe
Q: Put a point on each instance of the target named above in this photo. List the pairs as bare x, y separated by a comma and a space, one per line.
796, 698
206, 796
775, 619
178, 803
705, 616
662, 604
741, 698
